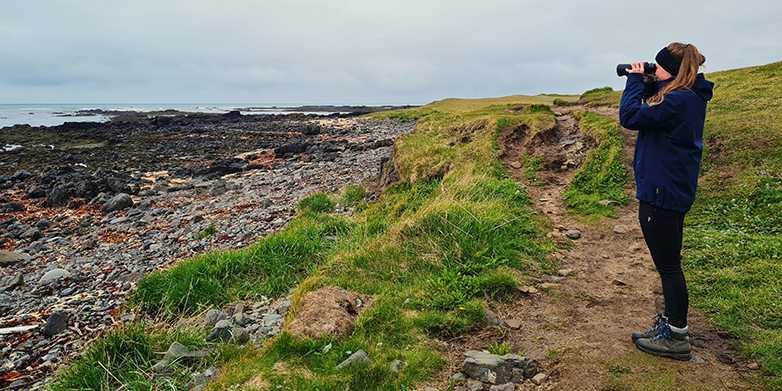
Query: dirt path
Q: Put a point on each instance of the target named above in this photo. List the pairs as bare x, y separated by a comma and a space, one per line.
579, 325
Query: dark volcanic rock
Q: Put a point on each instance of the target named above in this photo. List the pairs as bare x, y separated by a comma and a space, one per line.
55, 324
118, 202
11, 207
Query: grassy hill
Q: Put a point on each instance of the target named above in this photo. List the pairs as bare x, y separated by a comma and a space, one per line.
454, 232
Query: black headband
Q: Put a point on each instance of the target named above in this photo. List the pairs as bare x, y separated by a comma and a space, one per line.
666, 60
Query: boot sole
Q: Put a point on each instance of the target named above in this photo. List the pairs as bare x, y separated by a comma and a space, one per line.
675, 356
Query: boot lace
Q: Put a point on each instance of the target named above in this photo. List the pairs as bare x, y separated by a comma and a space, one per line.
659, 319
663, 330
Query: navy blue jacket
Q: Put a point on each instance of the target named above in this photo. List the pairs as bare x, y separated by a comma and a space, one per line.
670, 140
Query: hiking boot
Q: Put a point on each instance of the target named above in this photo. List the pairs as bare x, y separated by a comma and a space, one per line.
652, 331
666, 343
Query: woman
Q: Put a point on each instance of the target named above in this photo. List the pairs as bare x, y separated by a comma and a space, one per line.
668, 114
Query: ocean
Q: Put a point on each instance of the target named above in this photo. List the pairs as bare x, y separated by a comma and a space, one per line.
57, 114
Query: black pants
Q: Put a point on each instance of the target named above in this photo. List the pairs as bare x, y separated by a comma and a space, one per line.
662, 231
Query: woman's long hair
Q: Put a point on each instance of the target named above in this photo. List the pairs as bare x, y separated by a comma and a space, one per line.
691, 60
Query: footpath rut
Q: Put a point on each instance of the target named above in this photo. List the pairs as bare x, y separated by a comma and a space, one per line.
578, 325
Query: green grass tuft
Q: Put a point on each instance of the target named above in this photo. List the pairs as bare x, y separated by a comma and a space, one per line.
269, 267
352, 195
123, 358
210, 230
602, 176
604, 96
316, 203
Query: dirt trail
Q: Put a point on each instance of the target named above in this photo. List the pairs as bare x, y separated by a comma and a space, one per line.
579, 325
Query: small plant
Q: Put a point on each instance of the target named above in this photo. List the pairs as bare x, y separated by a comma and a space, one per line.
499, 348
352, 195
206, 232
531, 167
316, 203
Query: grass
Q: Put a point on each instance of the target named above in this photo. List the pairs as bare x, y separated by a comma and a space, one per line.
429, 251
210, 230
453, 232
733, 235
268, 268
123, 358
604, 96
602, 177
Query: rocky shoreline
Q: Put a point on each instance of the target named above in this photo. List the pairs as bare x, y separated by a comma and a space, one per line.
87, 209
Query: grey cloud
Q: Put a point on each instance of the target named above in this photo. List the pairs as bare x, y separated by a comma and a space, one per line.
354, 51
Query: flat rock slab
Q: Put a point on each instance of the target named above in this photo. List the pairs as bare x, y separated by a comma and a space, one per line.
8, 258
495, 369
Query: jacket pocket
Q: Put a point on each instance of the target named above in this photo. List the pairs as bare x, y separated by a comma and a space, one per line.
659, 195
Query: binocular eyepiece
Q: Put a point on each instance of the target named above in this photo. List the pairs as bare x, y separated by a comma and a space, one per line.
649, 68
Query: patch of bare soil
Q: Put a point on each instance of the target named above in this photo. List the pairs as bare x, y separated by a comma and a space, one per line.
578, 326
328, 311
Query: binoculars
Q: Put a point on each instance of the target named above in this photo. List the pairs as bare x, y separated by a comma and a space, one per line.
649, 68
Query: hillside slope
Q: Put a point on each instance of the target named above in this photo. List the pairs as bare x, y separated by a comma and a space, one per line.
455, 236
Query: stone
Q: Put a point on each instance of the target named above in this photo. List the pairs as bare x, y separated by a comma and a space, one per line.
221, 331
474, 385
503, 387
177, 351
8, 283
54, 275
539, 378
11, 207
516, 165
355, 358
239, 335
118, 202
213, 316
565, 272
56, 323
621, 229
491, 318
573, 234
396, 366
495, 369
528, 289
8, 258
753, 366
618, 282
458, 378
513, 323
548, 285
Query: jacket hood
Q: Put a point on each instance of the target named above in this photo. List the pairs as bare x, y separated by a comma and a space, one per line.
703, 88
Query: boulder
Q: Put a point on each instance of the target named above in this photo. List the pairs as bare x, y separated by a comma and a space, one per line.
328, 311
8, 258
53, 275
8, 283
358, 357
213, 316
56, 323
496, 369
118, 202
573, 234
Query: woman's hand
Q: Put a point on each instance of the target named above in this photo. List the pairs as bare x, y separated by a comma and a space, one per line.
637, 67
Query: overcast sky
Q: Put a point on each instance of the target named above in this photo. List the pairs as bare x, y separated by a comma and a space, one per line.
355, 51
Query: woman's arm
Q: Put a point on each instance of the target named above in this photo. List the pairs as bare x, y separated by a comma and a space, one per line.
635, 114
